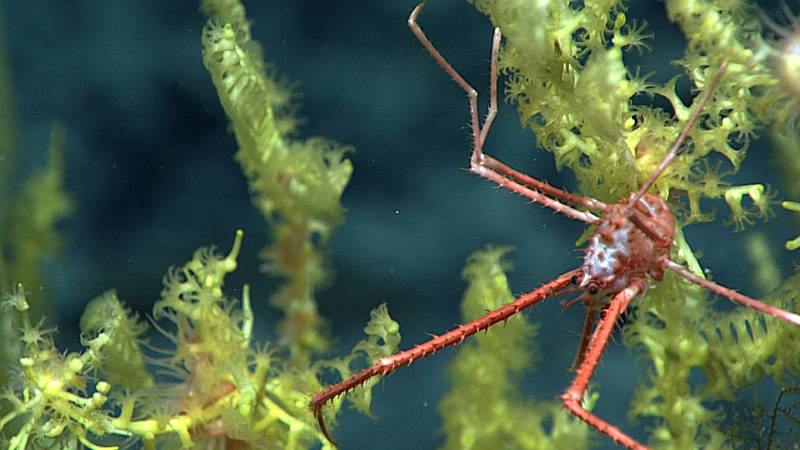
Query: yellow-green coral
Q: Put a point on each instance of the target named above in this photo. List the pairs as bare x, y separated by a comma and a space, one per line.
793, 244
566, 74
732, 349
225, 390
490, 366
49, 403
296, 184
383, 339
29, 223
123, 363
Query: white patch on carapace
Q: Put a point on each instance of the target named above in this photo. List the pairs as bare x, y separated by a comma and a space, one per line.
602, 261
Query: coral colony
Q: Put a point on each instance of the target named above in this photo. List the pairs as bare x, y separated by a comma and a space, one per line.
641, 173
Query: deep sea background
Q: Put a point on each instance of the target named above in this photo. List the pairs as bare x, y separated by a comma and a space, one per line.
150, 168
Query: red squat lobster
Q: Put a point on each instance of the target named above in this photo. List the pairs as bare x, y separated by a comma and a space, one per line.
632, 240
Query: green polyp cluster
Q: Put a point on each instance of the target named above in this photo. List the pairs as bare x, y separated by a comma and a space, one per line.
29, 222
490, 365
565, 72
296, 184
220, 387
123, 363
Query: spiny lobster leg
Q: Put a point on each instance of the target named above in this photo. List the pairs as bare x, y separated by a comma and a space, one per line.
488, 167
542, 186
731, 294
388, 364
514, 181
588, 325
573, 397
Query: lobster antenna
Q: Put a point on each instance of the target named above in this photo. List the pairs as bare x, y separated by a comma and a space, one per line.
673, 151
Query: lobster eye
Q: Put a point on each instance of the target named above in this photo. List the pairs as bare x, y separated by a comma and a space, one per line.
574, 279
593, 289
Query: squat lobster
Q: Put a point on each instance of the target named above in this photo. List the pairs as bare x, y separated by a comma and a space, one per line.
632, 241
